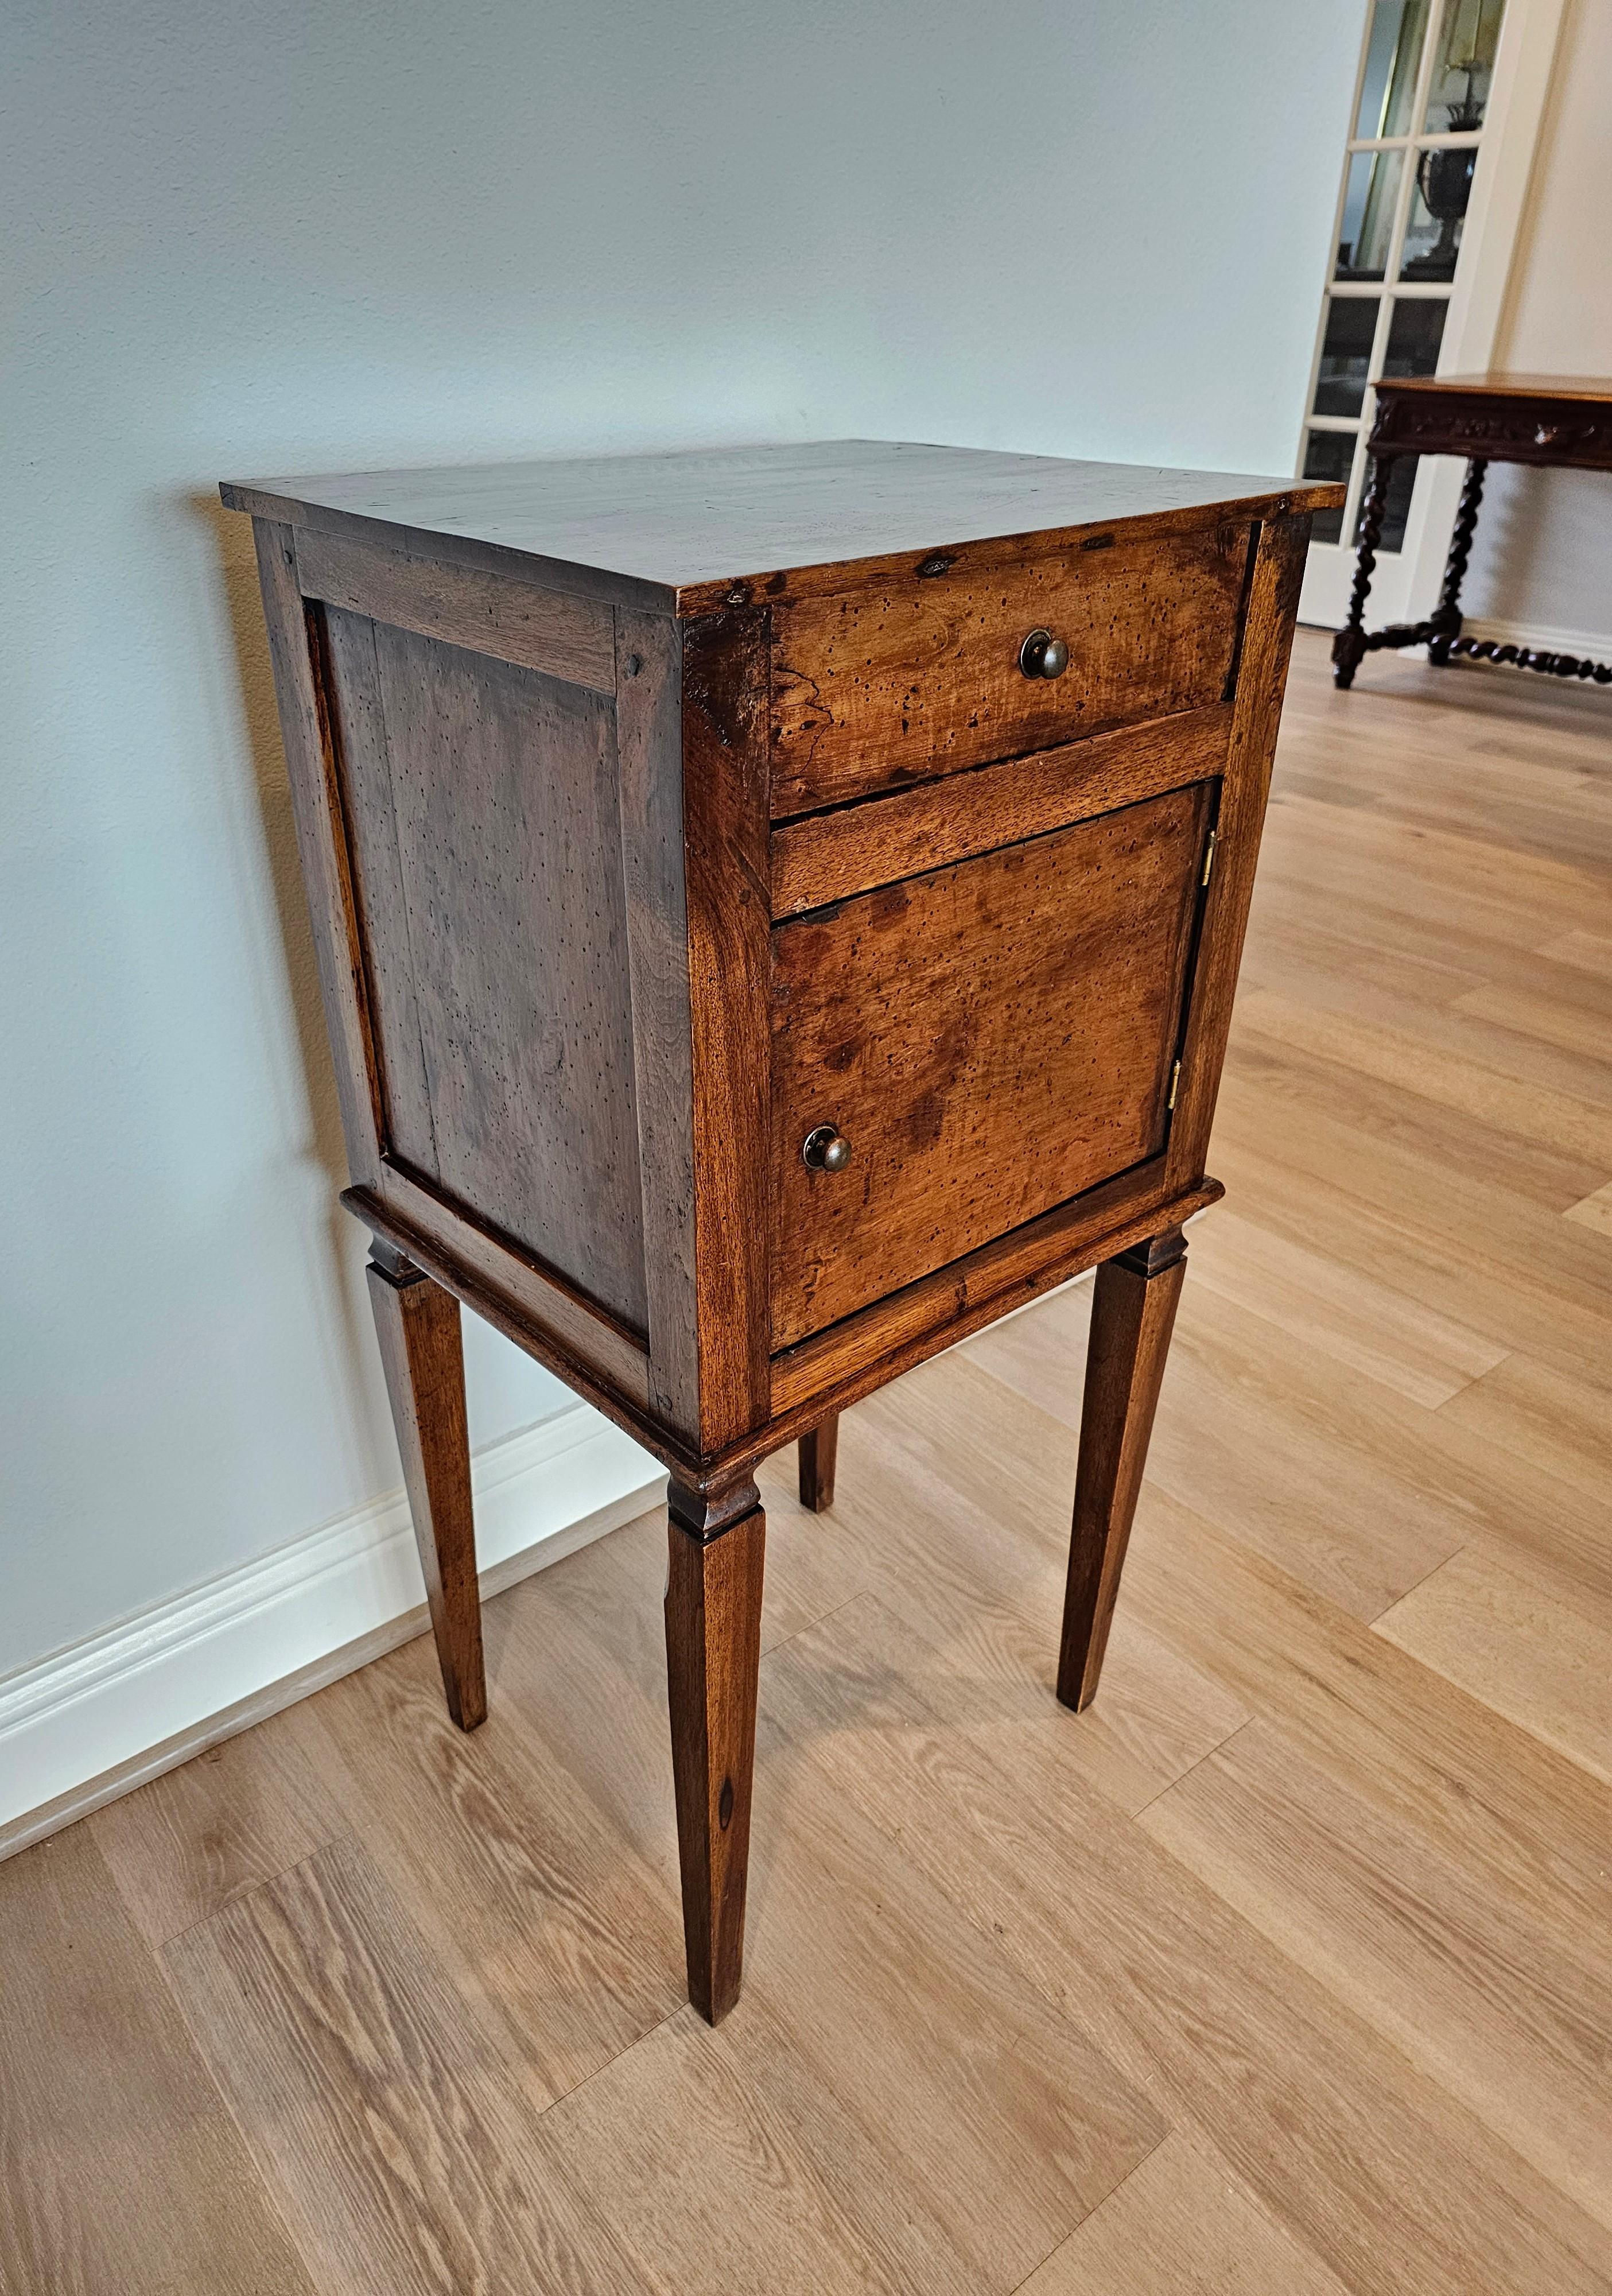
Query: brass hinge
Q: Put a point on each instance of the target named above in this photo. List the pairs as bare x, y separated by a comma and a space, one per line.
1174, 1087
1208, 857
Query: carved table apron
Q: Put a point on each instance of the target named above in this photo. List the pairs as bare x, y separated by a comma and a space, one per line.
1559, 422
777, 910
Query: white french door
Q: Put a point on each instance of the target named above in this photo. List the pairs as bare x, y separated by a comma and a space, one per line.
1447, 104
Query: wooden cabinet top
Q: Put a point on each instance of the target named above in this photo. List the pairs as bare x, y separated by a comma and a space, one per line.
1596, 388
1553, 421
689, 533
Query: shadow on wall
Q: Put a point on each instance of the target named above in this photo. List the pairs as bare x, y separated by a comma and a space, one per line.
230, 538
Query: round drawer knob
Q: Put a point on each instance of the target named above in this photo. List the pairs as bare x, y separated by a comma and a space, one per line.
824, 1150
1042, 655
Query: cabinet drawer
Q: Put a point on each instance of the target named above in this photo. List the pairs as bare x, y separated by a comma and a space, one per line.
991, 1039
903, 681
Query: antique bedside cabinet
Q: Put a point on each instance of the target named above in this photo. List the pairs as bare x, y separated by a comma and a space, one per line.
777, 910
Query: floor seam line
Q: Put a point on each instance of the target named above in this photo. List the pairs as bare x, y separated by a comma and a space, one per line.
1464, 1548
1206, 1756
245, 1897
1165, 2134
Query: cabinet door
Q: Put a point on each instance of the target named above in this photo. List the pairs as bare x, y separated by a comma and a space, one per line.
990, 1039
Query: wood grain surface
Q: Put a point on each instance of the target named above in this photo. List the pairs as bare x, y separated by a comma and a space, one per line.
1182, 2225
1546, 420
1513, 1629
562, 636
563, 1946
899, 684
826, 857
400, 2157
363, 767
838, 1365
649, 748
123, 2171
417, 1325
504, 1283
679, 532
1283, 1968
818, 1451
724, 769
301, 677
192, 1842
712, 1649
1133, 1301
992, 1039
489, 859
1262, 671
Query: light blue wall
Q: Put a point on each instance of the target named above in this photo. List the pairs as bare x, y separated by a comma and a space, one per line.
291, 237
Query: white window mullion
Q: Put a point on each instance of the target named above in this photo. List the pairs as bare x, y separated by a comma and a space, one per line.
1514, 104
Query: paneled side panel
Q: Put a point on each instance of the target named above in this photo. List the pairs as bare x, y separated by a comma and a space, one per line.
353, 679
496, 944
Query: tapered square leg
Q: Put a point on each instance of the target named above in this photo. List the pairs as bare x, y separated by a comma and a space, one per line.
423, 1354
818, 1451
1132, 1314
713, 1650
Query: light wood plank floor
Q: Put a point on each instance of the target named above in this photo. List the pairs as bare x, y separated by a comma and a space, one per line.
1288, 1970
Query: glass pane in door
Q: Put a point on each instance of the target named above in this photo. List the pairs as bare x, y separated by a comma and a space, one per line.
1463, 65
1328, 454
1439, 208
1393, 53
1368, 214
1346, 355
1415, 331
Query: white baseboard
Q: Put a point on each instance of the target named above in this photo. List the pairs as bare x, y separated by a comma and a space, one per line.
1596, 646
95, 1720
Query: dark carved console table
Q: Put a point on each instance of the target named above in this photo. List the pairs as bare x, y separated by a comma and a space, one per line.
1562, 421
777, 911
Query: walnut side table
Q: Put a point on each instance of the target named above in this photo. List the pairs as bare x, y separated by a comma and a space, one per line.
777, 910
1559, 422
